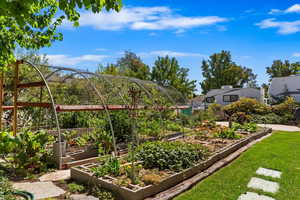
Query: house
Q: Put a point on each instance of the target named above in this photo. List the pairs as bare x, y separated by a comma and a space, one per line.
282, 87
227, 94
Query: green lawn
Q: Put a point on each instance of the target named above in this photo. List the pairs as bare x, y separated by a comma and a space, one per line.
281, 151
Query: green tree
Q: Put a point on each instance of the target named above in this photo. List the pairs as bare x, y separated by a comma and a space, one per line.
111, 69
131, 65
283, 68
220, 70
168, 73
32, 24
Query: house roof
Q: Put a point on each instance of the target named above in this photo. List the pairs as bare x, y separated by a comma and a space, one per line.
216, 92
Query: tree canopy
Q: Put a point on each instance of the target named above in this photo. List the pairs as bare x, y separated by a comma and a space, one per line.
283, 68
32, 24
167, 72
220, 70
129, 65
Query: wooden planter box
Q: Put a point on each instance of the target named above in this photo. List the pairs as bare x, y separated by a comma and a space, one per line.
83, 174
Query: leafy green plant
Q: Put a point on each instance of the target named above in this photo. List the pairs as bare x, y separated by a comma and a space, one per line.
169, 155
249, 127
76, 188
6, 189
226, 133
27, 152
110, 166
102, 193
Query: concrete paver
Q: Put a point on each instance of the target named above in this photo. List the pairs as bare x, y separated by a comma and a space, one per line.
41, 190
56, 176
254, 196
264, 185
268, 172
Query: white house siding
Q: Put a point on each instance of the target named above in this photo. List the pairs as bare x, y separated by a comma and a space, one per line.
241, 92
285, 86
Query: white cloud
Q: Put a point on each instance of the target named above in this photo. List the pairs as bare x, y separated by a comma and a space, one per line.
100, 49
284, 27
144, 18
170, 53
274, 11
293, 9
296, 54
66, 60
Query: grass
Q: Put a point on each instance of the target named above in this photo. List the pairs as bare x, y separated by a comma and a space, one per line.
281, 152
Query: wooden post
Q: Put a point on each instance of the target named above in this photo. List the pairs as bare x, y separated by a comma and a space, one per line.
15, 114
1, 97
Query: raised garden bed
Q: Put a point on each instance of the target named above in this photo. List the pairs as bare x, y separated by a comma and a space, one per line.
76, 155
84, 174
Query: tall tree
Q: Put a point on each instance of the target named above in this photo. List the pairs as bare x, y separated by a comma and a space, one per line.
168, 73
220, 70
283, 68
33, 24
131, 65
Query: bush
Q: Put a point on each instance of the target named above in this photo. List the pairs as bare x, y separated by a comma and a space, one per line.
6, 189
246, 105
169, 155
215, 111
27, 151
272, 118
288, 106
241, 117
226, 133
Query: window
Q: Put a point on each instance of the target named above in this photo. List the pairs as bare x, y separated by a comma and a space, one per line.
210, 99
230, 98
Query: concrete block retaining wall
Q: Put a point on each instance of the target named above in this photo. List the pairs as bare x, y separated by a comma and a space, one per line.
82, 173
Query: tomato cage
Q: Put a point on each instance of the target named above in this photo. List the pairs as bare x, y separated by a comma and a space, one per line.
86, 108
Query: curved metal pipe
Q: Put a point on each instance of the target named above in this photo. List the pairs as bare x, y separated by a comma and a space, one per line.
53, 107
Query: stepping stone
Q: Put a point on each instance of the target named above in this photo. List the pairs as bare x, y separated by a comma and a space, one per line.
82, 197
268, 172
41, 190
261, 184
56, 176
254, 196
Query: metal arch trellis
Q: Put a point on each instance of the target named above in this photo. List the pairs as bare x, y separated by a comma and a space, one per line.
57, 108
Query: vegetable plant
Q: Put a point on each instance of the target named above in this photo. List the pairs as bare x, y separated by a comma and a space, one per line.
226, 133
169, 155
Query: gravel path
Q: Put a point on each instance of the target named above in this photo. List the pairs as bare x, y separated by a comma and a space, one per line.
276, 127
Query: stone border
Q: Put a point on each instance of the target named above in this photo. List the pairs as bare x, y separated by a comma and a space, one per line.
82, 174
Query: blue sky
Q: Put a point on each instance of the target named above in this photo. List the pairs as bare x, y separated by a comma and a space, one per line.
255, 31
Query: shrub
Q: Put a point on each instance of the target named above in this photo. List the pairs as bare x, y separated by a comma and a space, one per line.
288, 106
169, 155
272, 118
27, 151
226, 133
76, 188
246, 105
241, 117
215, 111
6, 189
